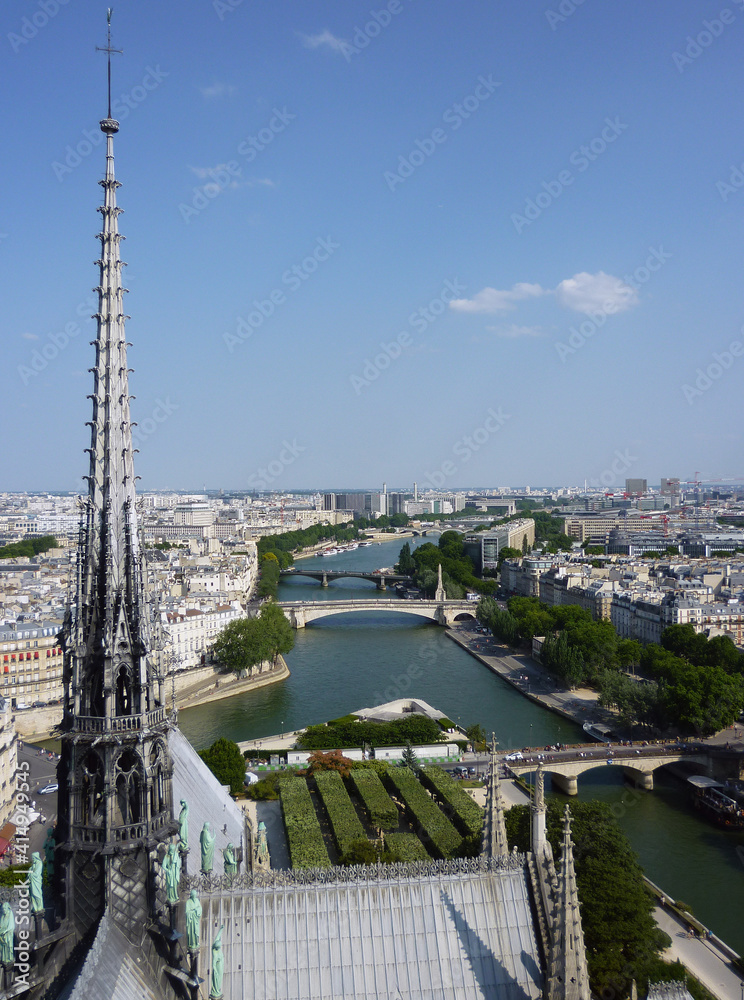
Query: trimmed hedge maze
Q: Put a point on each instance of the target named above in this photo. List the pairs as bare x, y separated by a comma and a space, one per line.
304, 836
444, 839
342, 815
382, 811
466, 814
405, 847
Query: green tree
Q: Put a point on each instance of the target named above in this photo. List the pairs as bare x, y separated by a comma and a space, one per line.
245, 642
477, 736
409, 759
406, 564
226, 763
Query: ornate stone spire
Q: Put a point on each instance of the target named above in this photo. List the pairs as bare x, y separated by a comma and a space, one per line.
568, 978
539, 838
494, 842
440, 593
115, 794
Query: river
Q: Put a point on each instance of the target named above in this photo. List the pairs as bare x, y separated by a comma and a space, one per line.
353, 661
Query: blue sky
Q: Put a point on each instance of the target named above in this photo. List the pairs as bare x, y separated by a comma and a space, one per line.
459, 243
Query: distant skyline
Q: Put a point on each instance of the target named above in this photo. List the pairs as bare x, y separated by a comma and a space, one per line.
393, 242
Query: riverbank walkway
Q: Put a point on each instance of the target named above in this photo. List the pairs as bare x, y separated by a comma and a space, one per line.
703, 958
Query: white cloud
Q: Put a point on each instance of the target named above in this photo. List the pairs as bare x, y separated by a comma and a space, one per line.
324, 37
514, 331
491, 300
218, 89
30, 336
600, 292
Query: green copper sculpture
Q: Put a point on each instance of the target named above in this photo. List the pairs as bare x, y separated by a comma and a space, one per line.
206, 841
193, 921
35, 875
7, 934
262, 847
218, 966
229, 862
172, 872
183, 826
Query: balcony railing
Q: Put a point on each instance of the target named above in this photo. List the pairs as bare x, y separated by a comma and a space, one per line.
120, 723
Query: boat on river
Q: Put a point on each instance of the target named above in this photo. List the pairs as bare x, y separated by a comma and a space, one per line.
709, 798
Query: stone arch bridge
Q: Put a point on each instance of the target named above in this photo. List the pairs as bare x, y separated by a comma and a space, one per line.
302, 613
638, 763
324, 576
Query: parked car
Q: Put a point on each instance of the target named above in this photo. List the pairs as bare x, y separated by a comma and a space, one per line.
49, 789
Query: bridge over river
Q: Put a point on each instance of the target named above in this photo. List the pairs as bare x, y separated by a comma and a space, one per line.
637, 762
302, 613
324, 575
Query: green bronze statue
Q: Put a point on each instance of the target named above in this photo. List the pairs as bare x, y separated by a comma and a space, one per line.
218, 966
183, 826
7, 934
193, 921
206, 842
35, 875
229, 862
172, 872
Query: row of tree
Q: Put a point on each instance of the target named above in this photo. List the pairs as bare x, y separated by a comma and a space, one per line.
689, 683
246, 642
28, 548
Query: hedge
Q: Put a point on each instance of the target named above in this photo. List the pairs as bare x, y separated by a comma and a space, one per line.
467, 814
304, 837
342, 815
381, 809
405, 847
443, 837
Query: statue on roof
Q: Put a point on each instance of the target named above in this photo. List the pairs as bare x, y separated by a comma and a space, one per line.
262, 847
172, 872
193, 921
7, 934
206, 842
228, 859
35, 875
183, 826
218, 966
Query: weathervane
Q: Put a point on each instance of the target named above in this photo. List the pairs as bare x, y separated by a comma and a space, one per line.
109, 50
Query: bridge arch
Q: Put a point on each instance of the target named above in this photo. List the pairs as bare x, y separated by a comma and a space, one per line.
301, 614
638, 768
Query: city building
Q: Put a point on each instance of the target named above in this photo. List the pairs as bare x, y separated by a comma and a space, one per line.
483, 547
636, 487
32, 663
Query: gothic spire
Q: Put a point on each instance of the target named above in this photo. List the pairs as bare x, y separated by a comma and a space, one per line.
539, 838
494, 842
440, 594
568, 975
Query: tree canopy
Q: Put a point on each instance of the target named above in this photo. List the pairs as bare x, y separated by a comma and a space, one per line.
245, 642
226, 763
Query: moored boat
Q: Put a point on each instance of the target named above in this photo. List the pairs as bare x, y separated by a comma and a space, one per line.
709, 798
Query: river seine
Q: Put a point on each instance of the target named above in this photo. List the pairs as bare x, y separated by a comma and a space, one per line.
352, 661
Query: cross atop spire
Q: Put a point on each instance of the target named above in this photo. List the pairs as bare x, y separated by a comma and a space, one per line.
109, 50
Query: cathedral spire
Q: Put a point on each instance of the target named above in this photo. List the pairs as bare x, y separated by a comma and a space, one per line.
568, 975
115, 799
440, 593
494, 842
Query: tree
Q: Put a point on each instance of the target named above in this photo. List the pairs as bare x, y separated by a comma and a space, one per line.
277, 634
477, 736
245, 642
226, 763
409, 759
406, 564
333, 760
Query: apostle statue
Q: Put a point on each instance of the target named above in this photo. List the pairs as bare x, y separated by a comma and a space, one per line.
7, 934
206, 842
228, 859
262, 847
193, 921
35, 875
172, 872
218, 967
183, 826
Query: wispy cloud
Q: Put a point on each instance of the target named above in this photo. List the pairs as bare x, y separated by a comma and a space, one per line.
514, 331
584, 292
324, 38
589, 293
492, 300
30, 336
218, 89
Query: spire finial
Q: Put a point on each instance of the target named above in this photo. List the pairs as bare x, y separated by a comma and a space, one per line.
108, 50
